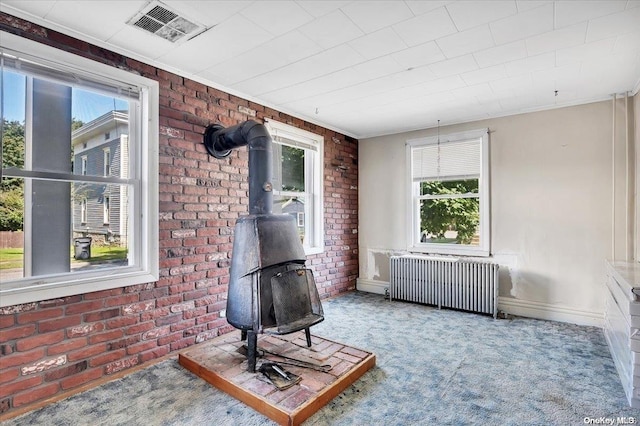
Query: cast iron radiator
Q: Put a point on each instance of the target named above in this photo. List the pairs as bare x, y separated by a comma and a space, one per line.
445, 282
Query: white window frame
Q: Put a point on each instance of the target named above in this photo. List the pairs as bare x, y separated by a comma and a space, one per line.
413, 198
144, 124
314, 178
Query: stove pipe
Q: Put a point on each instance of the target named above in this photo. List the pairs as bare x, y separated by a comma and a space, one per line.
270, 290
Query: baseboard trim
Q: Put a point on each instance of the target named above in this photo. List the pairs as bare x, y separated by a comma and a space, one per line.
372, 286
530, 309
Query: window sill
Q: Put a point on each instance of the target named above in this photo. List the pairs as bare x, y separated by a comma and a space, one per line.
313, 250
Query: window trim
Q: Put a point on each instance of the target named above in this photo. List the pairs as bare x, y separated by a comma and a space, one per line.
145, 154
413, 213
306, 138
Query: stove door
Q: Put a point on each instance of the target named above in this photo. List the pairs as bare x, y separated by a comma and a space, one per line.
296, 302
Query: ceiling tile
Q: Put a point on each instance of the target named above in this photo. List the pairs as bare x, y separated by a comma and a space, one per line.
556, 78
418, 7
523, 25
484, 75
378, 44
208, 13
287, 48
585, 52
269, 15
519, 84
468, 14
532, 63
371, 16
331, 60
378, 67
558, 39
615, 24
628, 43
321, 85
427, 27
100, 19
231, 38
422, 54
464, 42
141, 43
35, 8
319, 8
331, 30
501, 54
482, 90
570, 12
524, 5
457, 65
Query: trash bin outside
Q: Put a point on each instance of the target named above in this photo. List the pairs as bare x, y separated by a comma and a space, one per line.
82, 248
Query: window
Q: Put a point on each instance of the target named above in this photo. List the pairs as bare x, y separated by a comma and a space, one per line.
106, 161
83, 212
105, 210
297, 181
449, 193
56, 108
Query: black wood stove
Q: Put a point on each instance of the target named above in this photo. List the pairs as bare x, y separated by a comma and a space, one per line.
270, 290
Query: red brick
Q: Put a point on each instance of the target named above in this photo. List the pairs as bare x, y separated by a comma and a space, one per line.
140, 328
105, 337
66, 346
101, 315
36, 394
39, 340
122, 364
17, 332
20, 358
12, 388
106, 358
121, 322
80, 379
58, 323
79, 308
154, 353
65, 371
140, 347
7, 321
84, 330
8, 375
86, 352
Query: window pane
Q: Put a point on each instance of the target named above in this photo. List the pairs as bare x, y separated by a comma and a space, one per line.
466, 186
296, 207
450, 221
288, 168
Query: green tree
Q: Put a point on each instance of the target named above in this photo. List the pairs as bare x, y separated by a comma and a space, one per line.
11, 189
458, 214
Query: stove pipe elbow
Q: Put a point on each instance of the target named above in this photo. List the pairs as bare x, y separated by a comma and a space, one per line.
220, 141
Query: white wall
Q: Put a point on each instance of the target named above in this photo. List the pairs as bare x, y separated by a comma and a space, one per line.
551, 207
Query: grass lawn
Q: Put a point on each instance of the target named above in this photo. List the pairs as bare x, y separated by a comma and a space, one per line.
11, 258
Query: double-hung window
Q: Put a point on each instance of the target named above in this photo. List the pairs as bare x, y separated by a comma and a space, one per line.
56, 109
297, 181
449, 193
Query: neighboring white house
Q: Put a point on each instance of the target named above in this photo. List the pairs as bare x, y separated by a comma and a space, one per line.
100, 148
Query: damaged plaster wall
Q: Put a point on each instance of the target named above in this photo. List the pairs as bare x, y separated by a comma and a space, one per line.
551, 204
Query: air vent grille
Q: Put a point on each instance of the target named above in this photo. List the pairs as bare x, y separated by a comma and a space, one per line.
159, 20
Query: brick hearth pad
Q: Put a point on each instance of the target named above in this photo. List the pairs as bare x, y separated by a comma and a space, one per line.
218, 362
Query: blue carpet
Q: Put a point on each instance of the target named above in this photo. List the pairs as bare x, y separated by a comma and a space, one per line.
433, 366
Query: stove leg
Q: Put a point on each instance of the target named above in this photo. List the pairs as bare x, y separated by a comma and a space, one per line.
243, 335
252, 348
307, 333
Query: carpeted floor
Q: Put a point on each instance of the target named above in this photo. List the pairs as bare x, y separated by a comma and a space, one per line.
433, 366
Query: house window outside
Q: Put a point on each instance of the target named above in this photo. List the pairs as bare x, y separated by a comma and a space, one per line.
448, 180
106, 209
83, 212
107, 162
297, 181
51, 99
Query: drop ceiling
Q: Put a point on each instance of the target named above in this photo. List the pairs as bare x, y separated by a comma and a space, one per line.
369, 68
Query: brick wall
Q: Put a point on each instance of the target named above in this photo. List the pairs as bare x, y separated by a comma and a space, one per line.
53, 346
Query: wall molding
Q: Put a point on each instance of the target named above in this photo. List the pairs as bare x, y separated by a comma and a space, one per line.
545, 311
371, 286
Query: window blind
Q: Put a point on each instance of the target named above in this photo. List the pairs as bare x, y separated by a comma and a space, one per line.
446, 160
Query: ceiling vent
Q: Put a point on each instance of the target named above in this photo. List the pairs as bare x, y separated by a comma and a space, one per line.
156, 18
